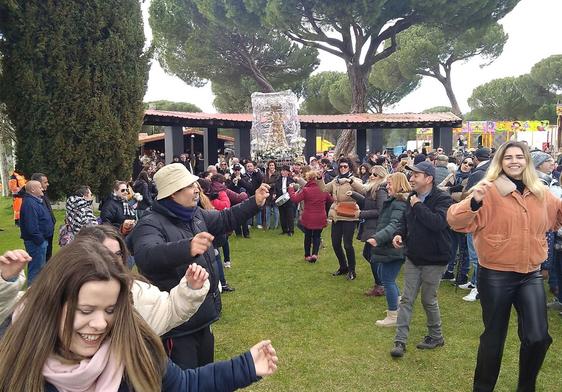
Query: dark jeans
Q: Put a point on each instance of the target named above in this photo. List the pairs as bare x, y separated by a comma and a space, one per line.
344, 230
191, 351
220, 269
287, 217
226, 250
312, 238
458, 242
557, 267
498, 292
38, 255
242, 230
373, 263
49, 248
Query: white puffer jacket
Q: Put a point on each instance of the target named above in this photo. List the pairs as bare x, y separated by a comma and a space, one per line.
163, 311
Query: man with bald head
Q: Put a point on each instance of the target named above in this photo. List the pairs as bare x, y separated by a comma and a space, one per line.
36, 227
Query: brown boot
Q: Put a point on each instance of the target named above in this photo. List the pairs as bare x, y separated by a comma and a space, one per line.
370, 292
378, 291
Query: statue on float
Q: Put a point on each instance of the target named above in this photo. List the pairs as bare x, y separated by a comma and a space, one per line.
276, 132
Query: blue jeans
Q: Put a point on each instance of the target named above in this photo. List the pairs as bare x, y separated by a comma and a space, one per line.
388, 273
38, 255
472, 258
459, 243
269, 209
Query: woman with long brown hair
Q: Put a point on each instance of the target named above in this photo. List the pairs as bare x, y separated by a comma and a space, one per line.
77, 330
509, 212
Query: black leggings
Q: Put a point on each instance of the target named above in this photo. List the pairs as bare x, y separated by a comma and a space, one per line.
193, 350
344, 230
498, 292
312, 238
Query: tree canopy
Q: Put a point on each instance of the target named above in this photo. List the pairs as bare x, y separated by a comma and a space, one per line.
172, 106
330, 92
195, 41
529, 96
364, 32
431, 51
74, 76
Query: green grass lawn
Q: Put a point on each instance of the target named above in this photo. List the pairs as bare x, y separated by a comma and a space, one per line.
323, 327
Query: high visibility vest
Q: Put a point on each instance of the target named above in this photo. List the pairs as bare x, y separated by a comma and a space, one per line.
17, 181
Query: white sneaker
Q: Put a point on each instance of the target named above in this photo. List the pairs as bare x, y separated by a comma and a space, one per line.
554, 305
467, 286
473, 296
259, 226
227, 264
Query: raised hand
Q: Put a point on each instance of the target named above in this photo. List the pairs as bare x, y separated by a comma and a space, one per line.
265, 358
480, 190
196, 276
13, 262
262, 193
201, 243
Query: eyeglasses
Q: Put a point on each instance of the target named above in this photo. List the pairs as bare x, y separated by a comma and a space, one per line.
468, 164
124, 190
374, 175
344, 166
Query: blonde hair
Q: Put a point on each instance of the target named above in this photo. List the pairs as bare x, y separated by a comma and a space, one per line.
400, 183
373, 185
311, 175
529, 176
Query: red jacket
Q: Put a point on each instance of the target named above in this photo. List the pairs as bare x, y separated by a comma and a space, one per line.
313, 216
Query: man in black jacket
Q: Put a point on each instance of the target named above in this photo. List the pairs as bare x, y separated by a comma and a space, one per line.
286, 210
427, 238
239, 183
176, 234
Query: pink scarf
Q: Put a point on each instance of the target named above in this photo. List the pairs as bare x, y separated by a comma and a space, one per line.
99, 373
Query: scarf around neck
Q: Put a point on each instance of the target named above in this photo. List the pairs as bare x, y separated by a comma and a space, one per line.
184, 213
349, 174
101, 373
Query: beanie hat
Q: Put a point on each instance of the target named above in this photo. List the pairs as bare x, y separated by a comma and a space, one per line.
539, 158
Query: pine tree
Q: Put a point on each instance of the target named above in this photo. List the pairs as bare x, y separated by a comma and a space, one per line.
74, 76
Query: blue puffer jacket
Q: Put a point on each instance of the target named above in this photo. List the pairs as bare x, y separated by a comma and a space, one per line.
225, 376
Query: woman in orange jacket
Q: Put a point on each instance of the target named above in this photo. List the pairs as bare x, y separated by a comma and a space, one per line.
509, 212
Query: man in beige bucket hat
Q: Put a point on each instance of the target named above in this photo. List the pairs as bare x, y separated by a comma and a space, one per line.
177, 233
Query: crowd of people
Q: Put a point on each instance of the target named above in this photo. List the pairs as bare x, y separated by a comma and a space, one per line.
488, 221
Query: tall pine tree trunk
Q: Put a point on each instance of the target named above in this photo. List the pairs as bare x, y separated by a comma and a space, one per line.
4, 168
450, 93
358, 77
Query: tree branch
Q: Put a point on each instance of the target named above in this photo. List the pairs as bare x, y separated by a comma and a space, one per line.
315, 44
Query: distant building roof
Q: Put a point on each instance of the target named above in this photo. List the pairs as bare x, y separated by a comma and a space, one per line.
337, 121
145, 138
